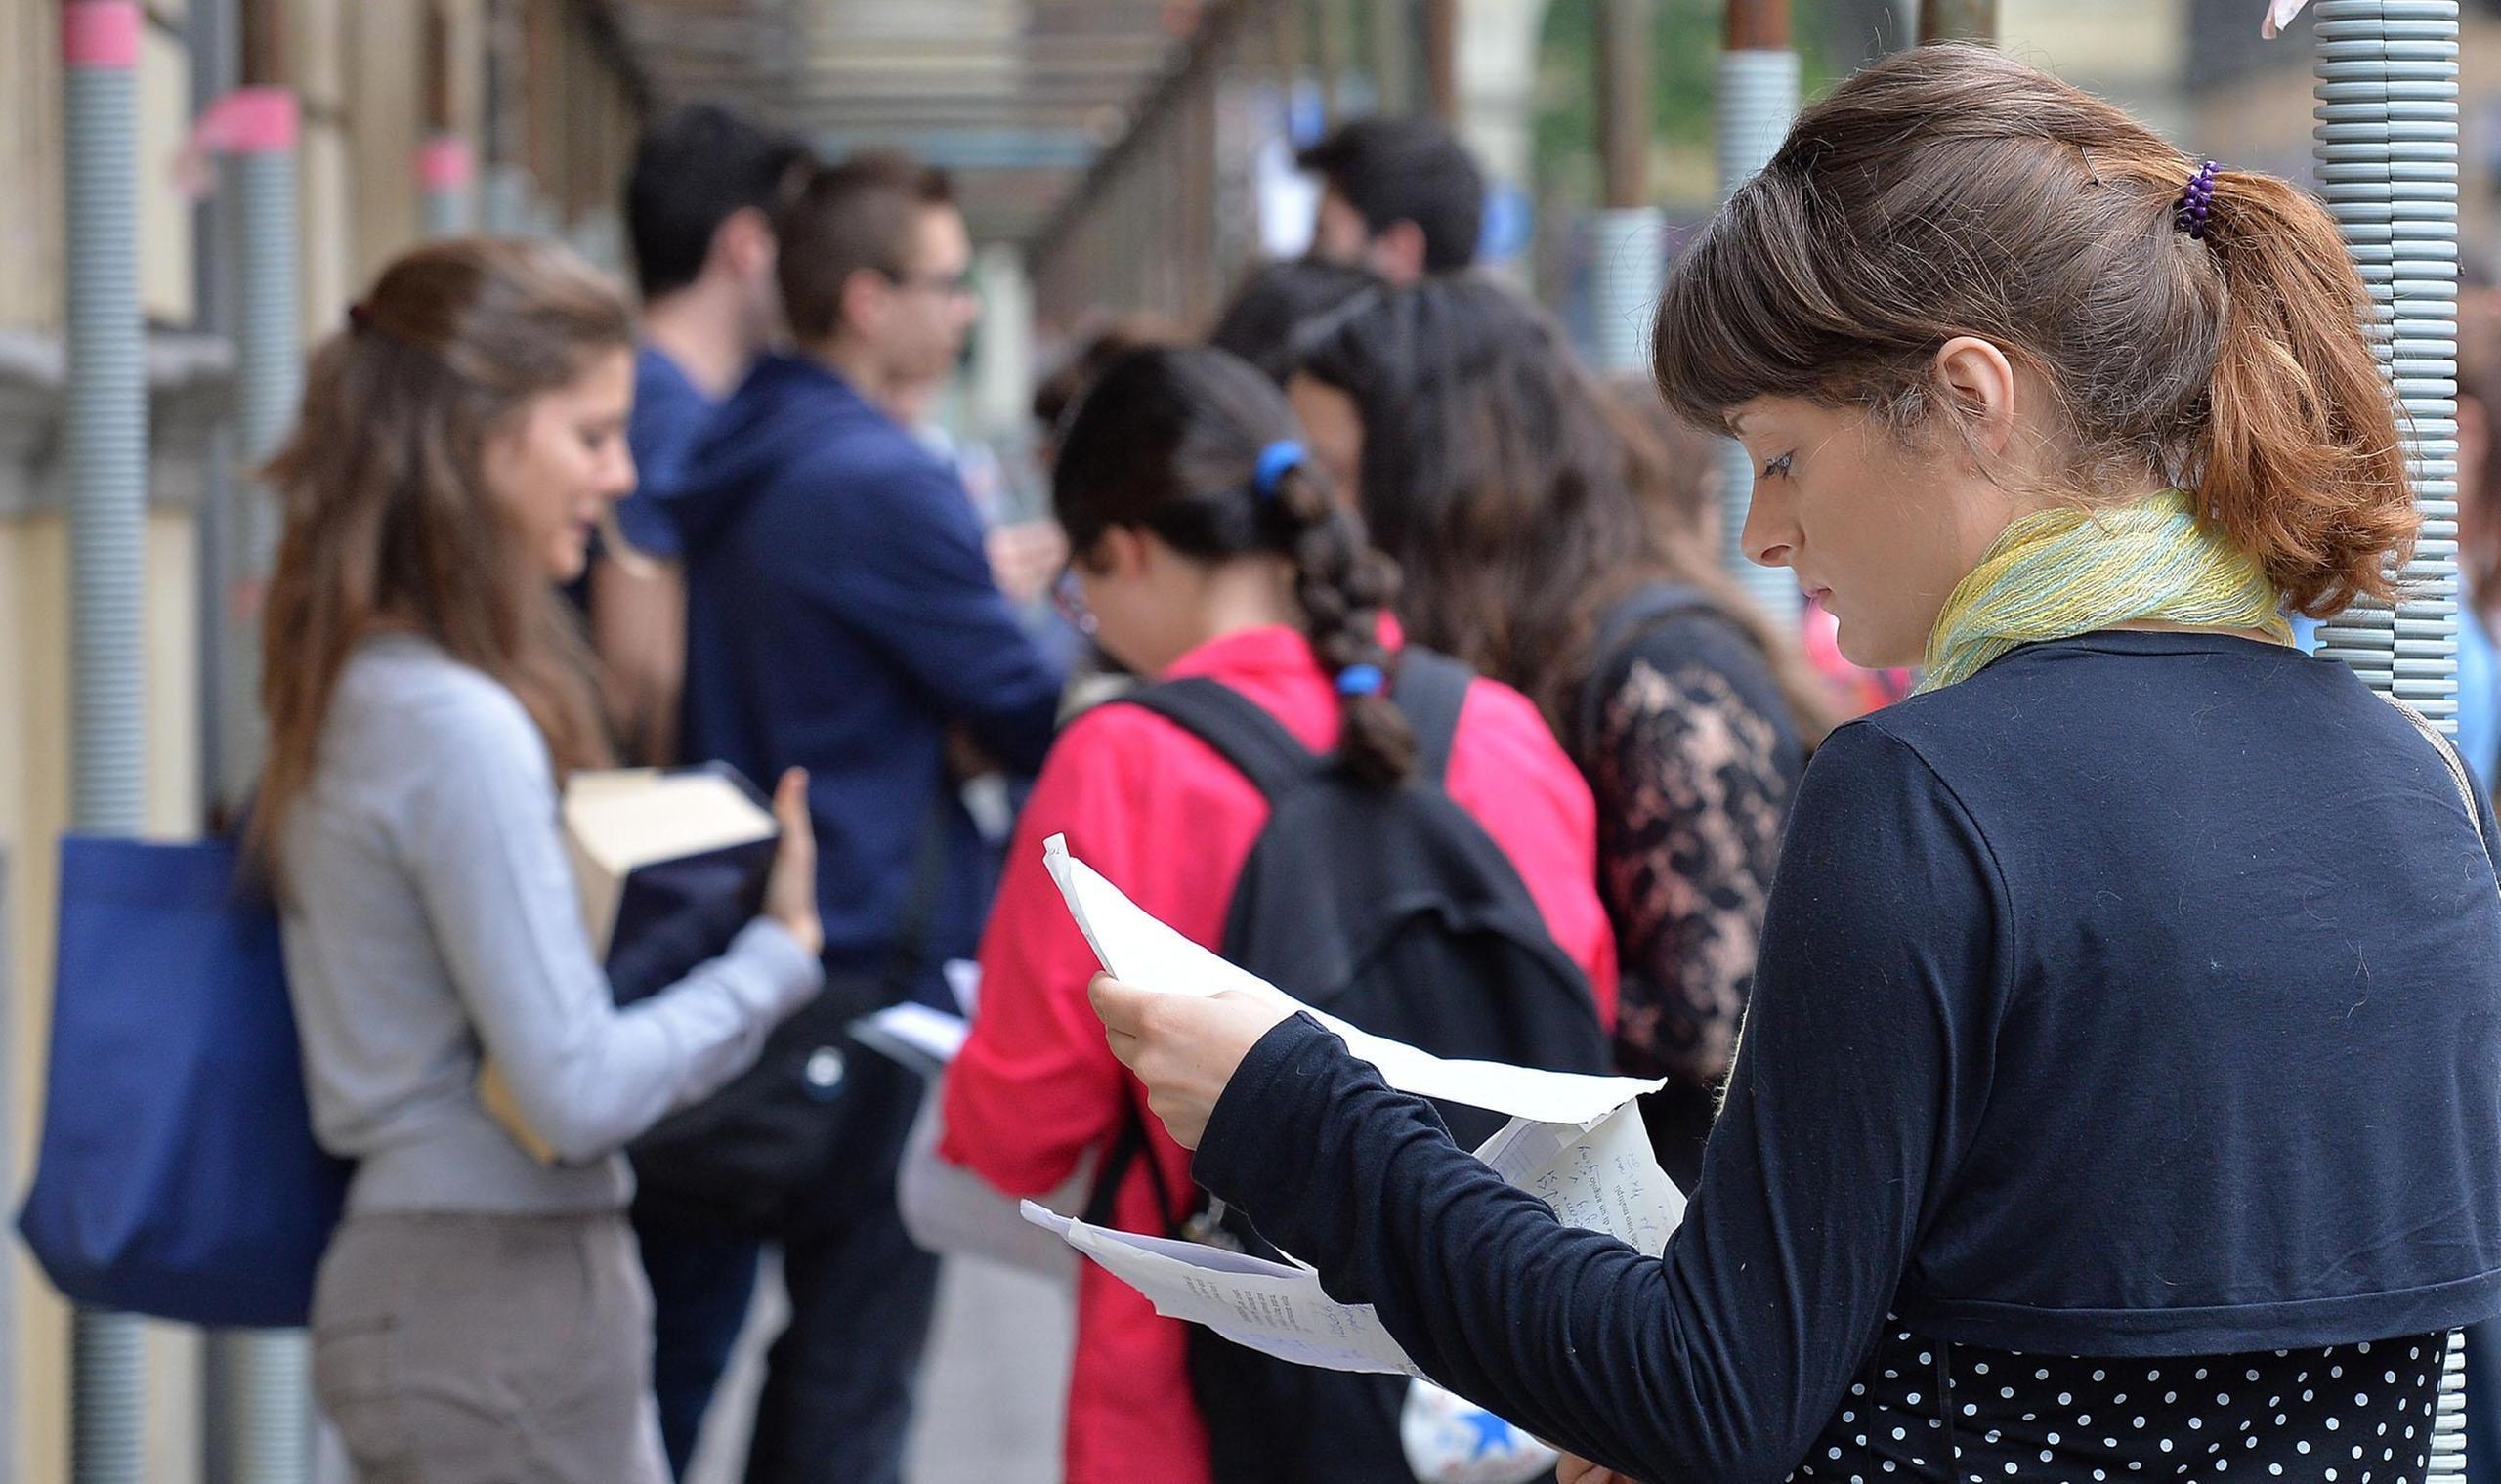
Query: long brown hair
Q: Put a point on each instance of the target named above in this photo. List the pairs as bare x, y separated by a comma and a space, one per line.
387, 522
1674, 470
1499, 475
1952, 190
1489, 475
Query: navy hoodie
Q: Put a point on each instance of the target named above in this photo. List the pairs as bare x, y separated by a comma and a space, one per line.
840, 618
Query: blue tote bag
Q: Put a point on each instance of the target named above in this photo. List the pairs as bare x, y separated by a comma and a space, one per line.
178, 1175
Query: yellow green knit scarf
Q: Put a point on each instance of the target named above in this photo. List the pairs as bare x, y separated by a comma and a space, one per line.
2069, 571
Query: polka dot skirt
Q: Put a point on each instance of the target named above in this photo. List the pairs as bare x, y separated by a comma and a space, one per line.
2347, 1415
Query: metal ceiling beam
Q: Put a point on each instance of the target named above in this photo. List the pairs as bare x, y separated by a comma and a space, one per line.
1024, 119
970, 70
1219, 22
1129, 49
1103, 123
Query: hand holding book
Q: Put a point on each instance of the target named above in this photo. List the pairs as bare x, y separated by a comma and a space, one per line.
791, 891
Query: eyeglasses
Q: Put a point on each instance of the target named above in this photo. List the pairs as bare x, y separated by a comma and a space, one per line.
1068, 600
958, 285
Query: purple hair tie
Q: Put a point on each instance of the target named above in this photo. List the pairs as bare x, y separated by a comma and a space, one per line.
2196, 201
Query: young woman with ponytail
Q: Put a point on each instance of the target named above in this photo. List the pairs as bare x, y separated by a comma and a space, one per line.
1206, 545
480, 1314
2121, 1091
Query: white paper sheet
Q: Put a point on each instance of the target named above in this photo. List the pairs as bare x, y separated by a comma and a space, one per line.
1575, 1142
922, 1038
1604, 1179
1137, 949
1267, 1306
963, 981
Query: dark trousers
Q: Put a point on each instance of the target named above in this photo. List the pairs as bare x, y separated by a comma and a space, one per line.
702, 1284
837, 1389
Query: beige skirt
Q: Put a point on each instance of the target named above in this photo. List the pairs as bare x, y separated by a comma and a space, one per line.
478, 1349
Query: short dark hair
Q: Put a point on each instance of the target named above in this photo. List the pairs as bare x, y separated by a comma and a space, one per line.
1056, 396
693, 171
854, 216
1283, 309
1407, 169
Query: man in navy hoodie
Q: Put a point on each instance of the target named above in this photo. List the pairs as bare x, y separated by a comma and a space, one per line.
842, 618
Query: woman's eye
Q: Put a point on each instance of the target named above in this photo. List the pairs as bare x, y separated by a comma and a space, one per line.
1778, 466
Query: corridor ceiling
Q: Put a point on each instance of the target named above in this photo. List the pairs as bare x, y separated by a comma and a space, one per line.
1015, 97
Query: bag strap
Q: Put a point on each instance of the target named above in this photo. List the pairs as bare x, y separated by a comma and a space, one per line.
1638, 612
1127, 1147
1432, 690
1241, 733
919, 904
2458, 775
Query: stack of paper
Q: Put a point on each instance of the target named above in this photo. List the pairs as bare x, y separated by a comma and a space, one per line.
1576, 1142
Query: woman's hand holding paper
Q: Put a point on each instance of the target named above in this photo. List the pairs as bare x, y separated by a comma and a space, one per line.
1575, 1470
1185, 1048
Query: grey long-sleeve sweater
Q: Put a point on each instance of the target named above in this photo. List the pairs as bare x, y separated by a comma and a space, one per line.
431, 917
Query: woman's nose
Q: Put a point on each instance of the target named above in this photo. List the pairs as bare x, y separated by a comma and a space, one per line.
1769, 535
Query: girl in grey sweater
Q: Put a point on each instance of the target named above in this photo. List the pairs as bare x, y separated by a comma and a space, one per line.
480, 1314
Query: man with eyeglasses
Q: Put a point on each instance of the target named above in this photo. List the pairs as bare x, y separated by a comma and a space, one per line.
842, 618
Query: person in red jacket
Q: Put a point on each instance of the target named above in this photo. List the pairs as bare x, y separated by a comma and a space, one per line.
1204, 548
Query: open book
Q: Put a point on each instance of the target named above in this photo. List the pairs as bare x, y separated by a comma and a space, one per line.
670, 865
1576, 1142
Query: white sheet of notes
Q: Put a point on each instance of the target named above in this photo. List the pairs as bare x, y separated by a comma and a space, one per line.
1575, 1142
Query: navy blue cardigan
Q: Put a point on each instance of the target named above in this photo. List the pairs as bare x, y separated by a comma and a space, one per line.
2139, 996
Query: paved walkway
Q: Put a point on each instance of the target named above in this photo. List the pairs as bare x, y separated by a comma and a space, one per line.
991, 1389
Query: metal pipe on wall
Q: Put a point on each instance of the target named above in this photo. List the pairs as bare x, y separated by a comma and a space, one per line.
1392, 54
264, 1377
2386, 147
106, 450
1758, 98
446, 174
1629, 234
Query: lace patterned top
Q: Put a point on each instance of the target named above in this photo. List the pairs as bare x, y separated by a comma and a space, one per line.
1694, 762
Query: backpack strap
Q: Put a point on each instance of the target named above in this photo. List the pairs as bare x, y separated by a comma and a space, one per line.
1243, 733
2459, 777
1431, 688
1638, 612
1127, 1148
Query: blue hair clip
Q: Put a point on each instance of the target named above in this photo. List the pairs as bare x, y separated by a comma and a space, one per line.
1361, 680
1274, 461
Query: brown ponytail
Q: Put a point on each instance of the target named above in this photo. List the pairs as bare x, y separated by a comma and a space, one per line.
1172, 439
1953, 190
2300, 460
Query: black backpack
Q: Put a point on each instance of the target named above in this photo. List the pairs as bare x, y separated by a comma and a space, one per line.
1393, 910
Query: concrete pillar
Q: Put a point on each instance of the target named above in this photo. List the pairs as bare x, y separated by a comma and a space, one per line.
1002, 369
1496, 78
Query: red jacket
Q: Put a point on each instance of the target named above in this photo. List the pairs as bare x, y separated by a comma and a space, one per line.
1170, 824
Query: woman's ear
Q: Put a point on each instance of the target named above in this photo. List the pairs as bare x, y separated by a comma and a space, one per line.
1982, 383
1120, 552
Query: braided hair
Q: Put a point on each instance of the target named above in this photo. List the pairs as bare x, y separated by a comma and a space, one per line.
1197, 446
